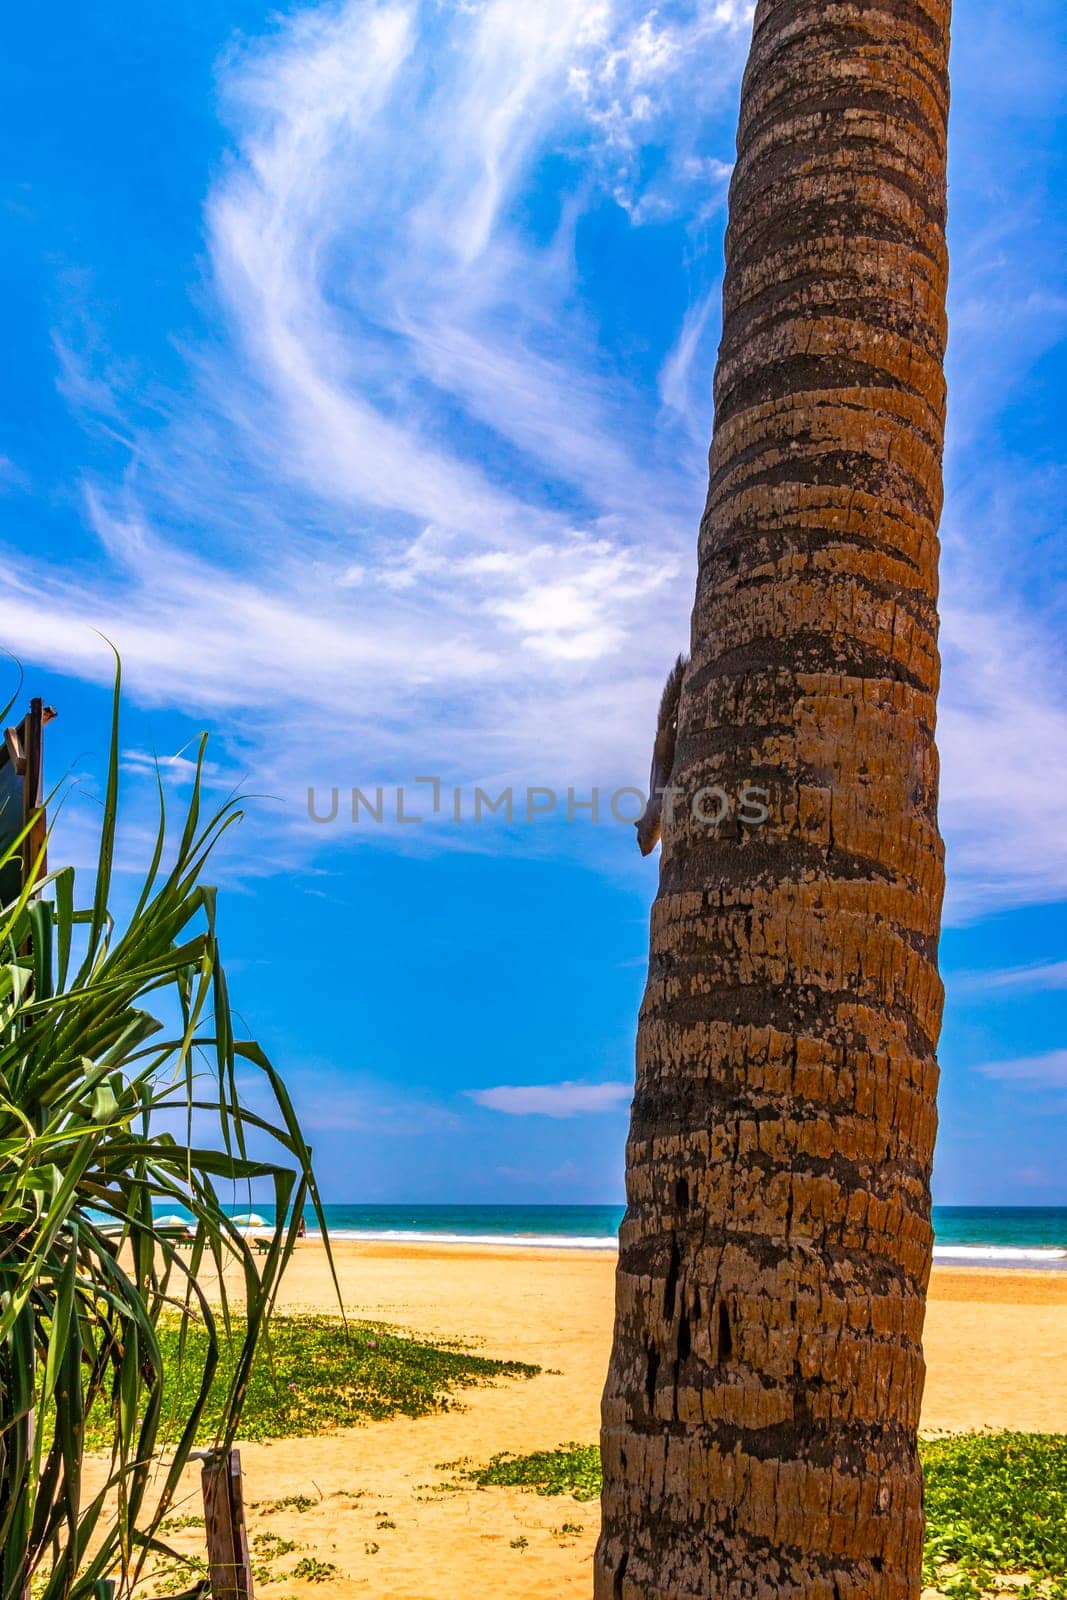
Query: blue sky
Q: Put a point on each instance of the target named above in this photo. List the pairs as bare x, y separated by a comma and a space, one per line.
356, 383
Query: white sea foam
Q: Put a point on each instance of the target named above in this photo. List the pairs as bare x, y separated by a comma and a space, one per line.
1002, 1254
533, 1241
964, 1254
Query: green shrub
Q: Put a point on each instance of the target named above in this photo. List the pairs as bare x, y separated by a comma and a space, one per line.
111, 1036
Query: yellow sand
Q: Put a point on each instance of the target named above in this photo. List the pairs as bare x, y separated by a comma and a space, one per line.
995, 1342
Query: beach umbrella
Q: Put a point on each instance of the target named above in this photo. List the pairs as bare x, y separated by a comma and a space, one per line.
249, 1219
172, 1221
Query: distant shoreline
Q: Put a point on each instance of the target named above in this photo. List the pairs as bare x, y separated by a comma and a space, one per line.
1035, 1258
522, 1241
1025, 1238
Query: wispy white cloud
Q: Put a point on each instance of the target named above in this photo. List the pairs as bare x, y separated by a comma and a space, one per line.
1000, 330
415, 503
329, 1099
567, 1174
12, 477
1036, 978
643, 76
676, 374
1003, 737
410, 488
1048, 1071
552, 1099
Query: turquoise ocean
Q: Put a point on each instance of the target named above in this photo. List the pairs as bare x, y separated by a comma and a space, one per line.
1005, 1236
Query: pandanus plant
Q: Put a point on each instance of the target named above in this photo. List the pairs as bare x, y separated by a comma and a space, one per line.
110, 1038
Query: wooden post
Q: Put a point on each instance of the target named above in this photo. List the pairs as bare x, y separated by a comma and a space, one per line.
33, 757
227, 1537
23, 749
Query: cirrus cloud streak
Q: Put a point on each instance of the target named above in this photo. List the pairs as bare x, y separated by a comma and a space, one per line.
552, 1099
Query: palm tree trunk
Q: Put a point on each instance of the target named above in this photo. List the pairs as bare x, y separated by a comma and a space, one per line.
761, 1407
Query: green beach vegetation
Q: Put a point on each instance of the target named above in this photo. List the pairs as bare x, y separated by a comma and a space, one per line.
572, 1469
313, 1375
125, 1092
996, 1507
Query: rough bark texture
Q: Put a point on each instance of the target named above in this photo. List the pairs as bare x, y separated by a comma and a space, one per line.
762, 1403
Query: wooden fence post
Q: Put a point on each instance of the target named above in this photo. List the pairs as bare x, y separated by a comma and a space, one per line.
33, 755
227, 1537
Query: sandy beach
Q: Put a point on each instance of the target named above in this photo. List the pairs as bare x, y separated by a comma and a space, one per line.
995, 1342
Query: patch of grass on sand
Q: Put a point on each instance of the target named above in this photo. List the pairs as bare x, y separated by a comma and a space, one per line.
291, 1502
177, 1524
312, 1570
317, 1376
996, 1504
572, 1469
